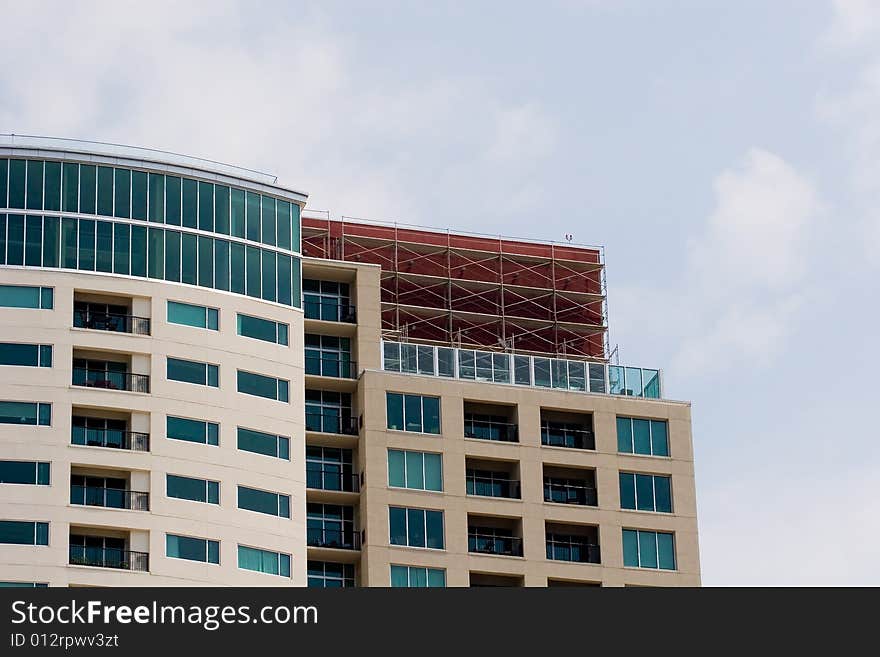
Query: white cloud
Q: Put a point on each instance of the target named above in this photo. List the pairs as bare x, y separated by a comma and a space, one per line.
854, 22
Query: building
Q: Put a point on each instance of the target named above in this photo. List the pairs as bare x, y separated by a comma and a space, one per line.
206, 385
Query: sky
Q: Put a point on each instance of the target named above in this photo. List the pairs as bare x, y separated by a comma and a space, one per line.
725, 154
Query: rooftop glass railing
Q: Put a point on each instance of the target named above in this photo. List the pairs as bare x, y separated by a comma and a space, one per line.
520, 369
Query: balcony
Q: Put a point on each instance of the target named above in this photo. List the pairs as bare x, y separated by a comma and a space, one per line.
329, 422
492, 478
332, 479
338, 368
110, 498
108, 375
570, 486
329, 311
574, 543
567, 429
338, 539
108, 557
480, 542
113, 321
490, 422
486, 580
110, 433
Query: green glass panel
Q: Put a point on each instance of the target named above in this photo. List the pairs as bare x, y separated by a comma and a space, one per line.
394, 410
283, 278
221, 265
188, 258
630, 548
22, 355
662, 494
415, 474
172, 255
157, 198
641, 436
396, 468
51, 241
433, 472
259, 385
121, 248
156, 262
254, 272
86, 244
627, 490
139, 195
413, 412
268, 222
431, 408
648, 549
17, 169
15, 239
397, 525
33, 246
104, 247
644, 492
52, 183
187, 488
258, 442
122, 193
190, 203
624, 435
237, 267
105, 191
2, 239
70, 187
436, 578
434, 529
283, 223
666, 551
172, 200
253, 216
187, 371
296, 291
295, 227
268, 275
179, 428
260, 501
138, 251
399, 576
187, 314
659, 438
221, 209
206, 261
35, 185
69, 242
206, 206
258, 328
237, 219
87, 185
4, 175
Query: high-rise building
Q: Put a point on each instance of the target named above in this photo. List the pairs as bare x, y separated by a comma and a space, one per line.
204, 384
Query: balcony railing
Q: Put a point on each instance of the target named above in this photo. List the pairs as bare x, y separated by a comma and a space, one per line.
561, 548
111, 322
329, 423
556, 436
113, 438
340, 539
490, 430
109, 558
332, 480
486, 486
110, 498
330, 312
570, 494
339, 369
111, 380
510, 546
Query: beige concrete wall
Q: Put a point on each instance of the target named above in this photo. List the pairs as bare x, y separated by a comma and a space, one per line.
223, 405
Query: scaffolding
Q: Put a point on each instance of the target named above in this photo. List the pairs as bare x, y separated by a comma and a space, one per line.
475, 291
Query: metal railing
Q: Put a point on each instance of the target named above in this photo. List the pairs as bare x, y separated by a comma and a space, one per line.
108, 380
340, 539
560, 548
490, 430
336, 368
109, 558
490, 544
558, 436
332, 480
338, 424
110, 498
570, 494
330, 312
113, 438
113, 322
486, 486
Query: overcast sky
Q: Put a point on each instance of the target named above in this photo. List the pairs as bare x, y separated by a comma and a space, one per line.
726, 154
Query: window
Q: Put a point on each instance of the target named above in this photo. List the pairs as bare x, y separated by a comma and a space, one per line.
637, 436
329, 412
330, 468
101, 432
194, 431
646, 549
195, 490
192, 549
190, 371
416, 527
263, 561
16, 412
20, 532
330, 575
412, 412
327, 300
263, 386
330, 526
417, 577
417, 470
24, 472
644, 492
188, 314
261, 501
327, 355
22, 585
262, 329
25, 355
24, 296
267, 444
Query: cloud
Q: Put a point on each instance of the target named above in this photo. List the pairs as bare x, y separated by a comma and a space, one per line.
854, 23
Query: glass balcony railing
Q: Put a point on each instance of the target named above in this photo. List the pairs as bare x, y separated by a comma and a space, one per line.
481, 543
329, 311
112, 438
331, 422
555, 434
333, 367
484, 429
111, 380
113, 322
572, 548
340, 539
520, 369
109, 498
109, 558
568, 493
331, 479
488, 485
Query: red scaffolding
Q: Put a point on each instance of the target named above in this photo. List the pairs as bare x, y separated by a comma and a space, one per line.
474, 291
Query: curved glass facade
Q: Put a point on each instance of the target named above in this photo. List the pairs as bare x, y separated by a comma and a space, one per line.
191, 253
